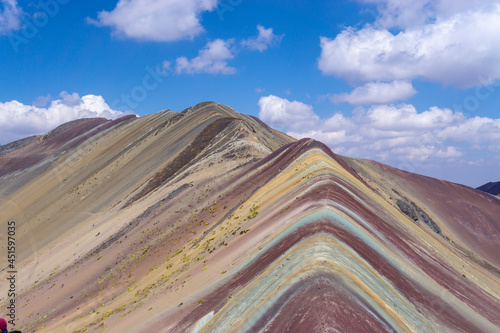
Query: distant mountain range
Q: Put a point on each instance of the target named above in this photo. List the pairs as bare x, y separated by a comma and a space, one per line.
491, 188
209, 220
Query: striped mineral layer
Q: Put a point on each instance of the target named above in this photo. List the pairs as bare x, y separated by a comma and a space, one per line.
210, 221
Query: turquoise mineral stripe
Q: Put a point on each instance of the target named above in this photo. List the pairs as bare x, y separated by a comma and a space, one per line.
320, 253
326, 213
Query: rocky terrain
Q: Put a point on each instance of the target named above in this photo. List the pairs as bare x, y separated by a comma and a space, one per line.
210, 221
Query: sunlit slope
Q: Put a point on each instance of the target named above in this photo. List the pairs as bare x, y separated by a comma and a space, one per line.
71, 201
325, 252
213, 222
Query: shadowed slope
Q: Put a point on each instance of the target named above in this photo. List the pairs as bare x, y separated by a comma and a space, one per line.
469, 217
491, 188
187, 155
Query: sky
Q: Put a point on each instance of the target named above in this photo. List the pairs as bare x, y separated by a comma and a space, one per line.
413, 84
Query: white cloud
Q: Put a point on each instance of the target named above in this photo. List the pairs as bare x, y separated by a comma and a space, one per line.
405, 117
18, 120
42, 101
377, 93
405, 14
459, 48
156, 20
478, 162
450, 152
166, 66
281, 112
389, 133
265, 39
10, 16
477, 129
212, 59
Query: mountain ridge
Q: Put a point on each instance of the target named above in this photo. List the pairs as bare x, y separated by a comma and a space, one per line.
240, 214
491, 188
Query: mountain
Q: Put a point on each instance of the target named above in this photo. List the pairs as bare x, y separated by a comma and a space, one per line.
491, 188
210, 221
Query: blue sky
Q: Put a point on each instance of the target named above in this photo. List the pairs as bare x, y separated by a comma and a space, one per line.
414, 84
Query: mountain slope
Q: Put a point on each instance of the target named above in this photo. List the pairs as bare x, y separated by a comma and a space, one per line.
491, 188
210, 221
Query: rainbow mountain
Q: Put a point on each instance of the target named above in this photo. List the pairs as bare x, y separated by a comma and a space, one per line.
211, 221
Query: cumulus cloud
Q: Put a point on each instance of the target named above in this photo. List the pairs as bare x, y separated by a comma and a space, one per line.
377, 93
10, 16
389, 133
455, 47
18, 120
262, 42
405, 14
156, 20
212, 59
405, 117
281, 112
477, 130
42, 101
